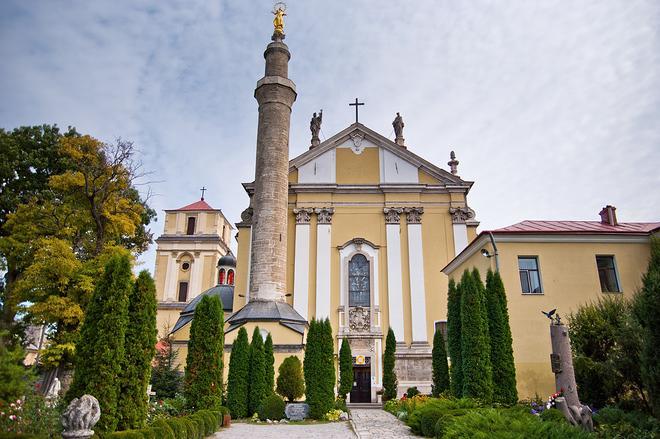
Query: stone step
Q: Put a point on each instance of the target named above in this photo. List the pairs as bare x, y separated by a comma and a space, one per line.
364, 405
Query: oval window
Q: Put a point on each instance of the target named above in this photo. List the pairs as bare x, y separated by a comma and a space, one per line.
185, 266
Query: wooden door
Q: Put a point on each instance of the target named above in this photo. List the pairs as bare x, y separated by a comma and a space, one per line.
361, 391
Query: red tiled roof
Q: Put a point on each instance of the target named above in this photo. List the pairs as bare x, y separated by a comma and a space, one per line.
197, 205
578, 227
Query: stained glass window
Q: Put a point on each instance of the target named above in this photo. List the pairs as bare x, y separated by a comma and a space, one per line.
358, 281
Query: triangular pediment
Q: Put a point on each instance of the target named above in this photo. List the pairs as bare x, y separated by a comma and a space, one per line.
358, 136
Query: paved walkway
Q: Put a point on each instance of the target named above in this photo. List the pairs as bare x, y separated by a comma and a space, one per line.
242, 430
371, 423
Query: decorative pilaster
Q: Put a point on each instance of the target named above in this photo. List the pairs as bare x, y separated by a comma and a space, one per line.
196, 278
416, 267
394, 271
301, 267
171, 278
323, 242
459, 216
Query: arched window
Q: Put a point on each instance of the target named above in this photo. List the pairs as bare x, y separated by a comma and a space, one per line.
221, 276
230, 277
359, 285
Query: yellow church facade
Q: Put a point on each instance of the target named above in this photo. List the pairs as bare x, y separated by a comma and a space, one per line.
558, 265
370, 225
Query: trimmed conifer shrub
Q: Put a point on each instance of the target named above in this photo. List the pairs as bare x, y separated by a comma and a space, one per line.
454, 339
501, 349
165, 376
139, 349
345, 369
440, 367
647, 313
202, 384
389, 375
475, 345
257, 373
100, 349
319, 368
237, 381
269, 363
290, 382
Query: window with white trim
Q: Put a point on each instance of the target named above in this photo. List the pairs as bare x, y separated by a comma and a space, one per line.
530, 280
358, 281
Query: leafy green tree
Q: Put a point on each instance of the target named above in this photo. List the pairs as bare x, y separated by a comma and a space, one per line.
100, 349
202, 383
257, 373
290, 381
475, 344
165, 376
15, 378
269, 362
237, 381
389, 375
440, 366
345, 369
606, 344
139, 350
648, 314
454, 338
501, 342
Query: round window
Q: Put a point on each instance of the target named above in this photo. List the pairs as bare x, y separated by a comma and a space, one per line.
185, 266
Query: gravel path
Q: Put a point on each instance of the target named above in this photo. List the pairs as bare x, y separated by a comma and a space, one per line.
242, 430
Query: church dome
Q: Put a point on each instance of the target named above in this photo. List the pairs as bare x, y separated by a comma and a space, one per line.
227, 260
224, 292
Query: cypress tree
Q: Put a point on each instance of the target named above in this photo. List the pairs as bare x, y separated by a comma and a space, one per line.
454, 337
440, 367
269, 362
389, 375
202, 384
257, 373
647, 313
501, 350
311, 364
100, 349
475, 347
328, 373
345, 369
140, 347
165, 376
237, 381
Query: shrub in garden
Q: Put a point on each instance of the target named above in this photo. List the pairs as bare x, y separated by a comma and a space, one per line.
428, 420
15, 378
389, 375
552, 415
165, 376
345, 369
439, 366
475, 345
454, 338
501, 342
203, 376
319, 368
647, 313
448, 408
272, 407
237, 380
100, 349
290, 382
412, 392
257, 373
139, 351
269, 362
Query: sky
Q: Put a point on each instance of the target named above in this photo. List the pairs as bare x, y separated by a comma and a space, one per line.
552, 107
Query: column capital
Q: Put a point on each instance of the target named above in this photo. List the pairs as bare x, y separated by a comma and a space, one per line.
459, 215
393, 215
303, 215
414, 215
324, 215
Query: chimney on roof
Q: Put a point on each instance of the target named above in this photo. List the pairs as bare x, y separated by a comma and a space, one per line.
608, 215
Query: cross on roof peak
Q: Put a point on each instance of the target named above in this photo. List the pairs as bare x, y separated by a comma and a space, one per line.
203, 189
356, 105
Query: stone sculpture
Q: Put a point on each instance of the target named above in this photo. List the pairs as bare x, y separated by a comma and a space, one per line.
315, 127
398, 129
561, 361
80, 417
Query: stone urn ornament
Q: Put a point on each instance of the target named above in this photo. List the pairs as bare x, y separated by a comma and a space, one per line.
80, 417
561, 361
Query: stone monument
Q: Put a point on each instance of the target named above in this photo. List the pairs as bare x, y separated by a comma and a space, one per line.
398, 129
80, 417
315, 128
561, 361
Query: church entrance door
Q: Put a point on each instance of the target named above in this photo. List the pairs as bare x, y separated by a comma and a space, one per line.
361, 391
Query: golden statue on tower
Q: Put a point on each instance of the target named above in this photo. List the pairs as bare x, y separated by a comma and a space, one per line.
279, 10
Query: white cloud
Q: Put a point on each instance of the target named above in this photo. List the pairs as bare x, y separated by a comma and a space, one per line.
552, 109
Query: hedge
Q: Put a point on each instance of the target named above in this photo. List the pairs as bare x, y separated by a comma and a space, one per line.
196, 426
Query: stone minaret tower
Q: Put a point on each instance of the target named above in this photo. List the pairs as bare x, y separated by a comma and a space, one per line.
275, 94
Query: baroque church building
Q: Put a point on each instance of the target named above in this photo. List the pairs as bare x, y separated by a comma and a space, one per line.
356, 230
